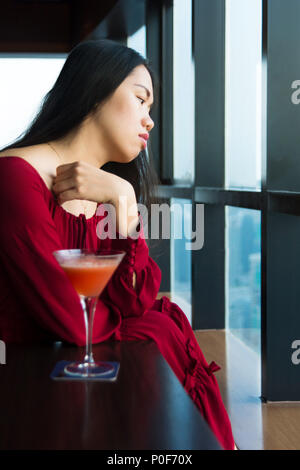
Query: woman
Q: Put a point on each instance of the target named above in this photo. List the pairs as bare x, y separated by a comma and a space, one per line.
52, 182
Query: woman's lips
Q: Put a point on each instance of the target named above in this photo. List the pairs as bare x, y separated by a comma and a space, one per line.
144, 141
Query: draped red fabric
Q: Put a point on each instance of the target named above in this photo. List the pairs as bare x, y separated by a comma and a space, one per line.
38, 303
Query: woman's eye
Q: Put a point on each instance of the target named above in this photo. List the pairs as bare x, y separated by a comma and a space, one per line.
142, 101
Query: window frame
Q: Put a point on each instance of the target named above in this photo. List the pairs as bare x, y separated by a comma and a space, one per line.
208, 264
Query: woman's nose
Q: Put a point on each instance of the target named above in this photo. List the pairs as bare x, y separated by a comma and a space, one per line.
148, 123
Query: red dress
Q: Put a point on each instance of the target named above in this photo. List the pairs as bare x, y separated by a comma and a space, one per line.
38, 303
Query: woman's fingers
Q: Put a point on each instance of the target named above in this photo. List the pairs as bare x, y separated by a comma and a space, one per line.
63, 185
66, 167
69, 176
62, 174
68, 196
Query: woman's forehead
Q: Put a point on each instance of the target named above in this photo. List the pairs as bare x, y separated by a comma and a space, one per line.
141, 76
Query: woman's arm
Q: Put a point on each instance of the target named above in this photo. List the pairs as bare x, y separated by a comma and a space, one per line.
80, 180
134, 287
28, 237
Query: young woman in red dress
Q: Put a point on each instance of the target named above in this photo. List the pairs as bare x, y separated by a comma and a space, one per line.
53, 179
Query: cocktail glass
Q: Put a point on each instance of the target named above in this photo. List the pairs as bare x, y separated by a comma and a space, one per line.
89, 272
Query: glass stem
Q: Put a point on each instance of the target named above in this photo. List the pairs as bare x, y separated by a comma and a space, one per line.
89, 307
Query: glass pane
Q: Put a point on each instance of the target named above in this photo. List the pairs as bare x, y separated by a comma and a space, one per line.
24, 81
243, 275
181, 260
243, 56
183, 92
138, 41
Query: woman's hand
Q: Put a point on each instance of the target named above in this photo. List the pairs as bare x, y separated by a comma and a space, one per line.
80, 180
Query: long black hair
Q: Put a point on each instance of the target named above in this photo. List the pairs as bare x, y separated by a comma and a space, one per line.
92, 72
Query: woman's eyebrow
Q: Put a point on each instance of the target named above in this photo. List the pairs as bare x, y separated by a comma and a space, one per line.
142, 86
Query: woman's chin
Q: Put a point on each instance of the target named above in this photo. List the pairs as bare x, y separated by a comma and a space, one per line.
133, 156
128, 156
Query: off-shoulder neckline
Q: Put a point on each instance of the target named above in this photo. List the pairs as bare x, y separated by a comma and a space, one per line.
80, 216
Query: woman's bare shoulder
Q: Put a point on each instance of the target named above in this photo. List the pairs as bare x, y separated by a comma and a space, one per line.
38, 156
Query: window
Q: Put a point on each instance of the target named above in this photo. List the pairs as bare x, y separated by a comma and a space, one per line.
137, 41
243, 46
243, 277
24, 84
183, 70
181, 229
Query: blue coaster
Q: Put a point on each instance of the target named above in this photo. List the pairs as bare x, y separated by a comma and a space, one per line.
58, 373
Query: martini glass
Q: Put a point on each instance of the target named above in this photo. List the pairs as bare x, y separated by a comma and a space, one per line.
89, 272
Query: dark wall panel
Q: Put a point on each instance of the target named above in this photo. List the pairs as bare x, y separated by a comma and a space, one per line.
283, 116
208, 272
209, 89
283, 307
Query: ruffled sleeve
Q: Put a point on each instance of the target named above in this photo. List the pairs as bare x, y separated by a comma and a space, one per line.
132, 301
28, 238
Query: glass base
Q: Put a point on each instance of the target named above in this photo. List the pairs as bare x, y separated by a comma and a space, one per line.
86, 369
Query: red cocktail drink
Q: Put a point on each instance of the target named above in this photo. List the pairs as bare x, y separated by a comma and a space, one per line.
90, 278
89, 272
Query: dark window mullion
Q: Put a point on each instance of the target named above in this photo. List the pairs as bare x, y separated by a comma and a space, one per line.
265, 202
246, 199
153, 42
185, 192
167, 170
208, 264
209, 55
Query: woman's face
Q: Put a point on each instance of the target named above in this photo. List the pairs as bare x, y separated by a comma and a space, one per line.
124, 117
